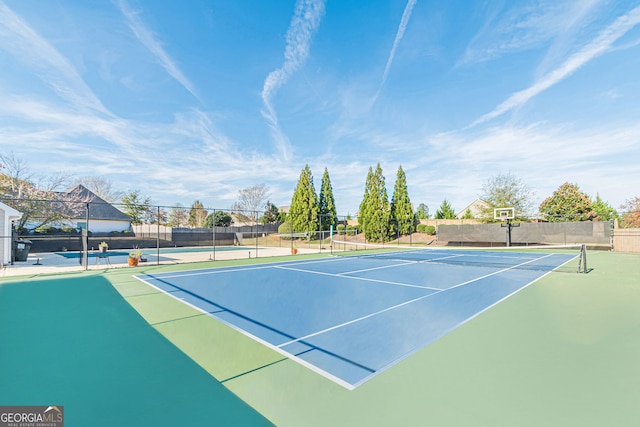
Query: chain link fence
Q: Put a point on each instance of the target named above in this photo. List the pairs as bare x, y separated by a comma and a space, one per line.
90, 234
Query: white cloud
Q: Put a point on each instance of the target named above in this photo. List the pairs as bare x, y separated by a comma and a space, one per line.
527, 27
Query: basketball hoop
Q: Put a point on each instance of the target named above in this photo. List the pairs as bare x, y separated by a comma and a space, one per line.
506, 215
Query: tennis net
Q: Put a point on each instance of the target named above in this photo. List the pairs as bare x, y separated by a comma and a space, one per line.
565, 258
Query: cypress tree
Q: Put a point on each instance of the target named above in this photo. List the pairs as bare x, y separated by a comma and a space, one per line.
364, 204
401, 210
376, 207
328, 213
304, 209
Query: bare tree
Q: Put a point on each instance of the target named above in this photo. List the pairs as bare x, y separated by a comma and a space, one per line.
506, 190
100, 187
250, 200
178, 216
40, 199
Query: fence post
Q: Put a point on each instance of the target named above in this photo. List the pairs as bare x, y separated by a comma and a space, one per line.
158, 238
213, 229
85, 240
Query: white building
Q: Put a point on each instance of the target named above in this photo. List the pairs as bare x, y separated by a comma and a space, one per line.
476, 208
7, 216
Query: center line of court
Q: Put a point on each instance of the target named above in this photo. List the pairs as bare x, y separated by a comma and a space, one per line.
404, 263
354, 277
403, 304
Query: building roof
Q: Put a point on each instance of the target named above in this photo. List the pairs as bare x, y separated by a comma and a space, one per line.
99, 209
476, 207
10, 212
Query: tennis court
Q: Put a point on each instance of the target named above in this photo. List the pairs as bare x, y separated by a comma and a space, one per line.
349, 318
562, 351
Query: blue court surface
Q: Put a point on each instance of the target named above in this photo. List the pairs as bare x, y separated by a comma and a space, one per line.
350, 318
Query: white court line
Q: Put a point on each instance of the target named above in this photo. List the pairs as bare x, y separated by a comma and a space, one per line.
354, 278
403, 304
404, 262
274, 347
217, 270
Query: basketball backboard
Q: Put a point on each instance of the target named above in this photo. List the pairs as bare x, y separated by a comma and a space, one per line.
504, 214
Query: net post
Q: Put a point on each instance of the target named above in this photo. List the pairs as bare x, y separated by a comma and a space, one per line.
331, 239
583, 259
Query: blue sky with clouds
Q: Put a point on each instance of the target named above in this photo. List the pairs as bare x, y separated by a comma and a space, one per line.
199, 99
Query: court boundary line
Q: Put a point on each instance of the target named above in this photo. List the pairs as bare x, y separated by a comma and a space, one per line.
217, 270
267, 344
328, 375
402, 304
447, 331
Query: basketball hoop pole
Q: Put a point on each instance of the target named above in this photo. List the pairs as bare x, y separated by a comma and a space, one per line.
507, 215
508, 226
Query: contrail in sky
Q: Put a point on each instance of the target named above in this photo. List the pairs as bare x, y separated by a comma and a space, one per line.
599, 46
147, 38
304, 23
401, 29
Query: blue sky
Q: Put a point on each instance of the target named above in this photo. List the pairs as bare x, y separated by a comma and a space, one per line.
200, 99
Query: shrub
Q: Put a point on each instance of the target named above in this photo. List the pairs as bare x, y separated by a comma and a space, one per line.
427, 229
352, 229
68, 230
114, 233
46, 229
285, 229
340, 227
127, 233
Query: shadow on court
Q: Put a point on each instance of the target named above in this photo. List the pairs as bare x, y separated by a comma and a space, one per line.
76, 343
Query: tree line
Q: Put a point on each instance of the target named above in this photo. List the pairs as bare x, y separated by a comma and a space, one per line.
42, 201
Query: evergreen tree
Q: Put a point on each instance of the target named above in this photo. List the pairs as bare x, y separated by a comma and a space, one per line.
304, 209
271, 214
136, 206
362, 219
567, 203
328, 213
423, 211
401, 209
376, 213
197, 215
218, 219
603, 211
445, 211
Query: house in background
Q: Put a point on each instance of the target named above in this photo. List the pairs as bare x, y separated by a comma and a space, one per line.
103, 216
477, 207
7, 216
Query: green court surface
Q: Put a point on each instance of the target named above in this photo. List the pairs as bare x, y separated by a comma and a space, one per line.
562, 352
